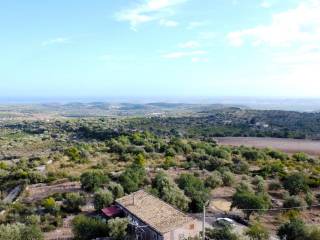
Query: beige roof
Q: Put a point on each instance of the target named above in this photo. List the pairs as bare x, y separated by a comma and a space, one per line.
153, 211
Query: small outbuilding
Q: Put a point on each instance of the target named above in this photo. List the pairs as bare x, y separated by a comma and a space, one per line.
111, 212
154, 219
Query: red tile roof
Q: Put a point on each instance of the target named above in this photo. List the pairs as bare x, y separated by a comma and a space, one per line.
111, 211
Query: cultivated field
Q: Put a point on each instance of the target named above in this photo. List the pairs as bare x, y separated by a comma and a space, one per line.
311, 147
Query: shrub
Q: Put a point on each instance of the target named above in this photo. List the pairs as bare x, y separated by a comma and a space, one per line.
257, 232
73, 201
300, 157
133, 178
85, 228
274, 186
245, 198
92, 180
19, 231
195, 189
118, 228
293, 202
116, 189
168, 191
214, 180
295, 184
102, 199
50, 205
223, 233
293, 230
227, 178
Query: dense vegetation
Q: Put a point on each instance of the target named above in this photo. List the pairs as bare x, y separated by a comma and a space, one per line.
175, 159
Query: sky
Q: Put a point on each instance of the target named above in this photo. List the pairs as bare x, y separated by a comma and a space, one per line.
159, 48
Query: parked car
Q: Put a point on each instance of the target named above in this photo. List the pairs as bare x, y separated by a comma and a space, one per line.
224, 222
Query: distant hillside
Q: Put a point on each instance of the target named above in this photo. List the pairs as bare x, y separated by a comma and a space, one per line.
236, 122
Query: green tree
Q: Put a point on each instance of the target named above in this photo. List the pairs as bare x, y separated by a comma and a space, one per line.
227, 178
300, 157
73, 153
214, 180
116, 189
296, 183
293, 202
118, 228
249, 201
295, 229
32, 232
314, 233
102, 199
221, 233
73, 201
11, 231
168, 191
133, 178
87, 228
140, 160
92, 180
309, 198
50, 205
195, 189
257, 232
18, 231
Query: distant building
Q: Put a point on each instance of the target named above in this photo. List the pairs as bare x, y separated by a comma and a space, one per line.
154, 219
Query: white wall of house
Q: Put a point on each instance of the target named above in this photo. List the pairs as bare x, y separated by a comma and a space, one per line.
190, 229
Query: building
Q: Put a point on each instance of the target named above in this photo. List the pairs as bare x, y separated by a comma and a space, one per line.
154, 219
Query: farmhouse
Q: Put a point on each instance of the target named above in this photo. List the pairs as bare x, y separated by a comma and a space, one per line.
154, 219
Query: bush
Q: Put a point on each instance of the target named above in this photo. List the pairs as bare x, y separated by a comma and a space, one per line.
195, 189
116, 189
245, 198
92, 180
50, 205
274, 186
227, 178
32, 232
85, 228
73, 201
293, 230
293, 202
214, 180
118, 228
19, 231
295, 184
133, 178
300, 157
168, 191
259, 182
102, 199
223, 233
257, 232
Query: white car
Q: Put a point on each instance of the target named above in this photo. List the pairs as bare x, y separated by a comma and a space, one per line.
227, 221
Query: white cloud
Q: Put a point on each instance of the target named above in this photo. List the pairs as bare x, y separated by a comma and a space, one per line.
182, 54
297, 25
196, 24
189, 44
168, 23
266, 4
293, 38
59, 40
151, 10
